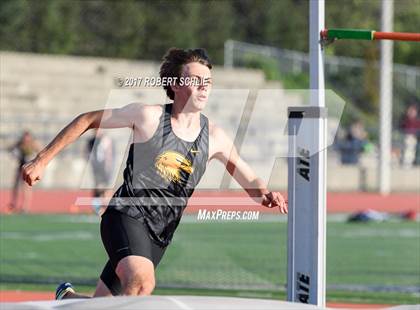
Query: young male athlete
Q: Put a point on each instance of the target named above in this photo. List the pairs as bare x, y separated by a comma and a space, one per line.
172, 145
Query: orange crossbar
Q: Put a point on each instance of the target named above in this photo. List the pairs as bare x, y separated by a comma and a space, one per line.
399, 36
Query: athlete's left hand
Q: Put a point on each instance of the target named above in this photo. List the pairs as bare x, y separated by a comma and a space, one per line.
274, 199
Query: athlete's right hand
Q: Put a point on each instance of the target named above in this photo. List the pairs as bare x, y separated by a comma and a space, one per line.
32, 171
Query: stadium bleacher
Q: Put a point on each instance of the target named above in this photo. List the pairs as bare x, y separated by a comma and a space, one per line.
44, 92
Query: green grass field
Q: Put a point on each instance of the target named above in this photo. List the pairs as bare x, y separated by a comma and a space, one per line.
378, 262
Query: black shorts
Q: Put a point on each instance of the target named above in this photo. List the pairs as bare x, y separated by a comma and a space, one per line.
123, 236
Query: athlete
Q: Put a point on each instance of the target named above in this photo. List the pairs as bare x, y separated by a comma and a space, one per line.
172, 145
23, 150
101, 150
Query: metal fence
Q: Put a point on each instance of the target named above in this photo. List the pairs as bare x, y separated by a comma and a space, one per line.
296, 62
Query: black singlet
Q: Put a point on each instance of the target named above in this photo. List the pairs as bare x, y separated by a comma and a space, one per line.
160, 175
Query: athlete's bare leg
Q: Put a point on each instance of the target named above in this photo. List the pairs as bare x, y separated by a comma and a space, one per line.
137, 278
27, 198
137, 275
101, 291
15, 193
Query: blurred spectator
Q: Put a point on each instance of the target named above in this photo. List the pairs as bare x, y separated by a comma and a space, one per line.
23, 150
410, 215
101, 150
353, 144
410, 127
368, 215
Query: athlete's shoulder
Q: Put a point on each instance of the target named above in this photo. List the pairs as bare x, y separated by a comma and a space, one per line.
213, 128
220, 144
144, 111
152, 110
217, 133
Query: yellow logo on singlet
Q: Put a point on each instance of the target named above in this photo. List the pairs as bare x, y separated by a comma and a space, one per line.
169, 165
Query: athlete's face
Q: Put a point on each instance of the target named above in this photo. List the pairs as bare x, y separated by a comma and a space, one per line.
194, 86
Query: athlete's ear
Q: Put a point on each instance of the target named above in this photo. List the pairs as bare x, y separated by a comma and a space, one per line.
175, 87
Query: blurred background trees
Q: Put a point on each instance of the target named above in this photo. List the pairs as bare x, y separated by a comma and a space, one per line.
146, 29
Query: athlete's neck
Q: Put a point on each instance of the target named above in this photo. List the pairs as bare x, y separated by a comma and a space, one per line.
184, 117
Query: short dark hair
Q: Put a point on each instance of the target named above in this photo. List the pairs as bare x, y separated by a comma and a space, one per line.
174, 60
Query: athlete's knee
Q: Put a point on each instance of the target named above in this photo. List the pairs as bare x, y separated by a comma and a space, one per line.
130, 288
138, 283
134, 273
138, 286
131, 284
147, 287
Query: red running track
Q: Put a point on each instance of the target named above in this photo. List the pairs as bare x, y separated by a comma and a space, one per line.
63, 201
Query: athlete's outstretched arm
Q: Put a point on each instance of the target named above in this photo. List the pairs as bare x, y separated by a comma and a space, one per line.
226, 152
109, 118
